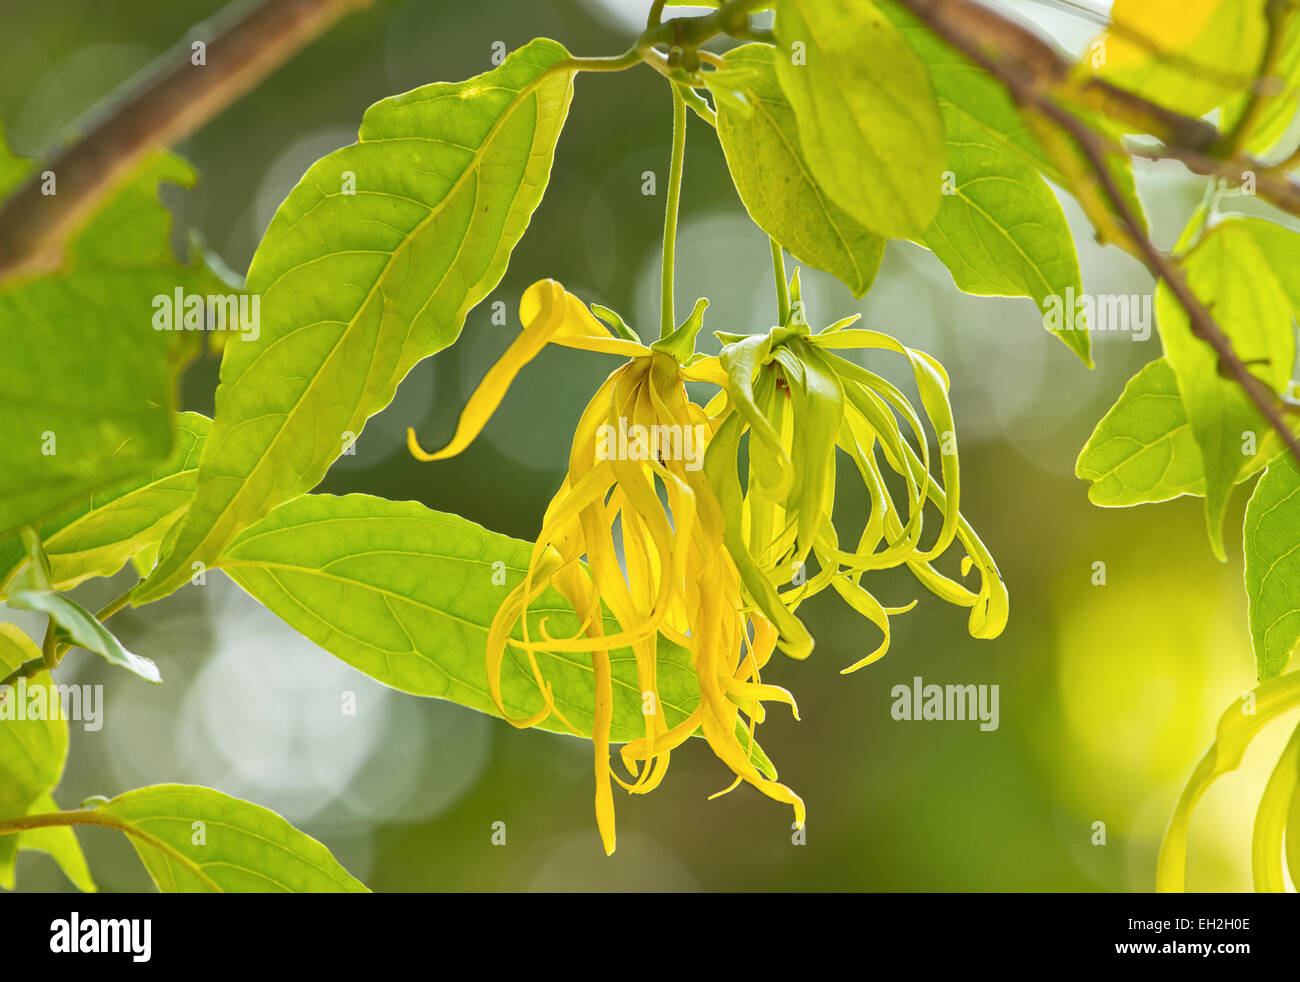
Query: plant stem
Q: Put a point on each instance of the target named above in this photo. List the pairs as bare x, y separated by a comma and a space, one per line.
113, 606
782, 285
614, 63
175, 99
691, 32
1034, 74
667, 313
1200, 319
1030, 66
49, 650
90, 816
53, 652
699, 106
26, 670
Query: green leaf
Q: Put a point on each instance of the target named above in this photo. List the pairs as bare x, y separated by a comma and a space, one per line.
1187, 55
1143, 449
1271, 534
87, 385
776, 185
970, 91
84, 630
868, 122
964, 89
1279, 109
357, 288
406, 595
123, 521
1234, 270
1001, 231
59, 842
197, 840
991, 150
32, 751
1279, 248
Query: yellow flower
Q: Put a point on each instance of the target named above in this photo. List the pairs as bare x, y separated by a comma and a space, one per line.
801, 404
628, 491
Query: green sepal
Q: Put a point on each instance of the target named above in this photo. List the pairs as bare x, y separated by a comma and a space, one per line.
614, 322
681, 343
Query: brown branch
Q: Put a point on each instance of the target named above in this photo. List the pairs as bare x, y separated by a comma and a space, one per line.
992, 39
1018, 56
174, 101
1277, 191
996, 44
1201, 321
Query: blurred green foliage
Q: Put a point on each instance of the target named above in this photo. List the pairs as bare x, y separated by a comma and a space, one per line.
1109, 693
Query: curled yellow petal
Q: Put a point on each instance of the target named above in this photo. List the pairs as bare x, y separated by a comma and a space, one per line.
549, 314
636, 543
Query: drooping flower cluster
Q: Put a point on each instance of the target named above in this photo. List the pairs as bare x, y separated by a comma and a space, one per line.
635, 543
649, 548
799, 402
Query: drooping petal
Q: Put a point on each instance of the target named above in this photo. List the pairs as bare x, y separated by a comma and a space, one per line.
932, 383
870, 608
720, 468
548, 314
818, 400
741, 361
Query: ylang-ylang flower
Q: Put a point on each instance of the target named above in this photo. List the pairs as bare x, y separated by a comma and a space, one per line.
797, 406
635, 542
649, 548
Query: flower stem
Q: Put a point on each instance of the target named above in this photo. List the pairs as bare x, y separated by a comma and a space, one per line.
49, 648
667, 314
113, 606
612, 63
782, 286
696, 103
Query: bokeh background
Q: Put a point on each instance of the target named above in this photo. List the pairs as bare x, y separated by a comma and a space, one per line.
1109, 694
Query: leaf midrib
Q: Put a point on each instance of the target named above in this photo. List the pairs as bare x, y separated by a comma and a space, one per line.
472, 167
